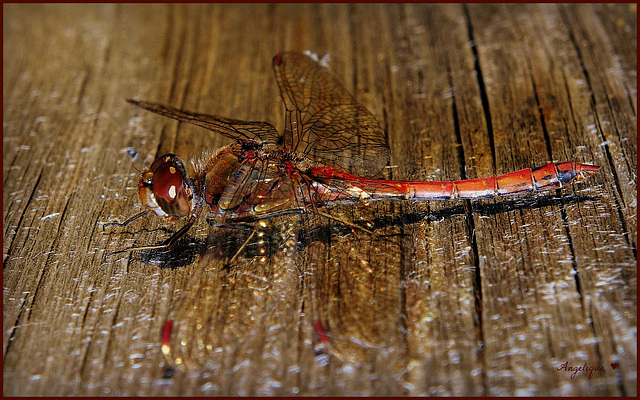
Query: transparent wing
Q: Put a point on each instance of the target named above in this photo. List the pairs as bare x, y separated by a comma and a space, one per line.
261, 188
261, 132
323, 120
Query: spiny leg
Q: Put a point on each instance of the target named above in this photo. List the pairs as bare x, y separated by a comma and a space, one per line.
127, 222
167, 243
345, 222
228, 263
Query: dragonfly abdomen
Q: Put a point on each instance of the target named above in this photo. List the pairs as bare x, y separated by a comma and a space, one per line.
550, 176
342, 186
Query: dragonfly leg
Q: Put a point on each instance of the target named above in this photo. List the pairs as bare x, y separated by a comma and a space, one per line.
163, 245
228, 263
127, 222
342, 221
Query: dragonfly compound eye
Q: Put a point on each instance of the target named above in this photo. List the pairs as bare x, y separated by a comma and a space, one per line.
165, 189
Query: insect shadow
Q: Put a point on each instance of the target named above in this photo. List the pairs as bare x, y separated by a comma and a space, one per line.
225, 242
182, 253
485, 209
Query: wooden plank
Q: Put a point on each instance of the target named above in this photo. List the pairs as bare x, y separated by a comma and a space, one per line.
566, 294
485, 297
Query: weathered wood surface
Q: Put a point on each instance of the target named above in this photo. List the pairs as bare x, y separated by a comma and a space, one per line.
486, 297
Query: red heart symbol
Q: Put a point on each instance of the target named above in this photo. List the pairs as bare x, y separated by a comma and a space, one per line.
614, 365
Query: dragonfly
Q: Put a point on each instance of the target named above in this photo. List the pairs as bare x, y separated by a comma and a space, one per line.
329, 150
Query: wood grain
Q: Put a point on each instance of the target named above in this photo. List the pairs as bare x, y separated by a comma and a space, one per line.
487, 297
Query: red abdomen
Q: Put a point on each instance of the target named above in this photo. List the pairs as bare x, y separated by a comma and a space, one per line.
339, 185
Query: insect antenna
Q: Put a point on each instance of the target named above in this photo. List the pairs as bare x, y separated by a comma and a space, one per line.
134, 156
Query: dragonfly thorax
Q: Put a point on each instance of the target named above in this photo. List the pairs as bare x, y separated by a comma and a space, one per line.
244, 182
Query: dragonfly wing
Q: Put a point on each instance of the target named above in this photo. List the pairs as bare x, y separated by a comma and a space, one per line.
261, 132
324, 121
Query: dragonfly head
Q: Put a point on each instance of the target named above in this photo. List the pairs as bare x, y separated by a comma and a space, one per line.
165, 188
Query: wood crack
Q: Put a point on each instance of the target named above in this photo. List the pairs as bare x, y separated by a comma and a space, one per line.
481, 86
